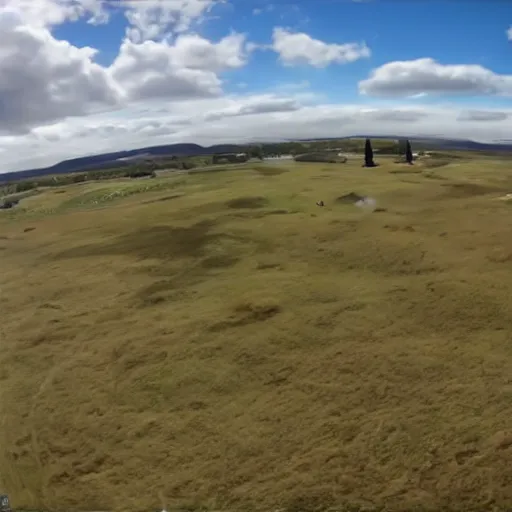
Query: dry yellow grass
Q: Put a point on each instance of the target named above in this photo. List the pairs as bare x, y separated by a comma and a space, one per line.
222, 342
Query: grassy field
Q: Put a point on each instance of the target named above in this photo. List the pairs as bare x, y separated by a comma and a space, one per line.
218, 341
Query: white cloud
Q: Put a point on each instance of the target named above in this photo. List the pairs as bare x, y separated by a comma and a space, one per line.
509, 33
60, 81
147, 71
186, 69
148, 19
153, 19
65, 81
300, 48
483, 115
195, 52
47, 13
426, 76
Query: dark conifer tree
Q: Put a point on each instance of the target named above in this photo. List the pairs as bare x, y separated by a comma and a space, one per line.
408, 153
368, 154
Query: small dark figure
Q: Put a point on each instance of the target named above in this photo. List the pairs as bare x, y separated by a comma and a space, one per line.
408, 153
320, 203
368, 154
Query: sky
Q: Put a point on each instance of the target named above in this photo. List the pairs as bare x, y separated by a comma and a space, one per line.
80, 77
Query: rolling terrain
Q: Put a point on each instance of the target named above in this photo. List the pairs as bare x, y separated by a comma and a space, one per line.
217, 341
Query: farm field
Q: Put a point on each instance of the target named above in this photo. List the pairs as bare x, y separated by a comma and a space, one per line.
217, 341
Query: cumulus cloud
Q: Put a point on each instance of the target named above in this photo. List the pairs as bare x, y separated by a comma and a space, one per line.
195, 52
300, 48
65, 80
186, 69
153, 19
148, 19
509, 33
62, 81
47, 13
427, 76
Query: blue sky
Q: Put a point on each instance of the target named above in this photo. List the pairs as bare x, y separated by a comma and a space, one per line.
449, 31
169, 70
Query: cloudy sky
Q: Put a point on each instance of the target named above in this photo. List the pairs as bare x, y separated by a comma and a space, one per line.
79, 77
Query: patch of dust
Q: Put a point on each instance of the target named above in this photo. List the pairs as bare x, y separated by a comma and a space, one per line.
367, 203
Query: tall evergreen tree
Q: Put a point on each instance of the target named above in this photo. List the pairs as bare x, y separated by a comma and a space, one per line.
368, 154
408, 153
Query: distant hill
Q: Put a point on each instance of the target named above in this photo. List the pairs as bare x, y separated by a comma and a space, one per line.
121, 158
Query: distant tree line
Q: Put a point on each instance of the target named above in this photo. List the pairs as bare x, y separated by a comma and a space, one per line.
16, 187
